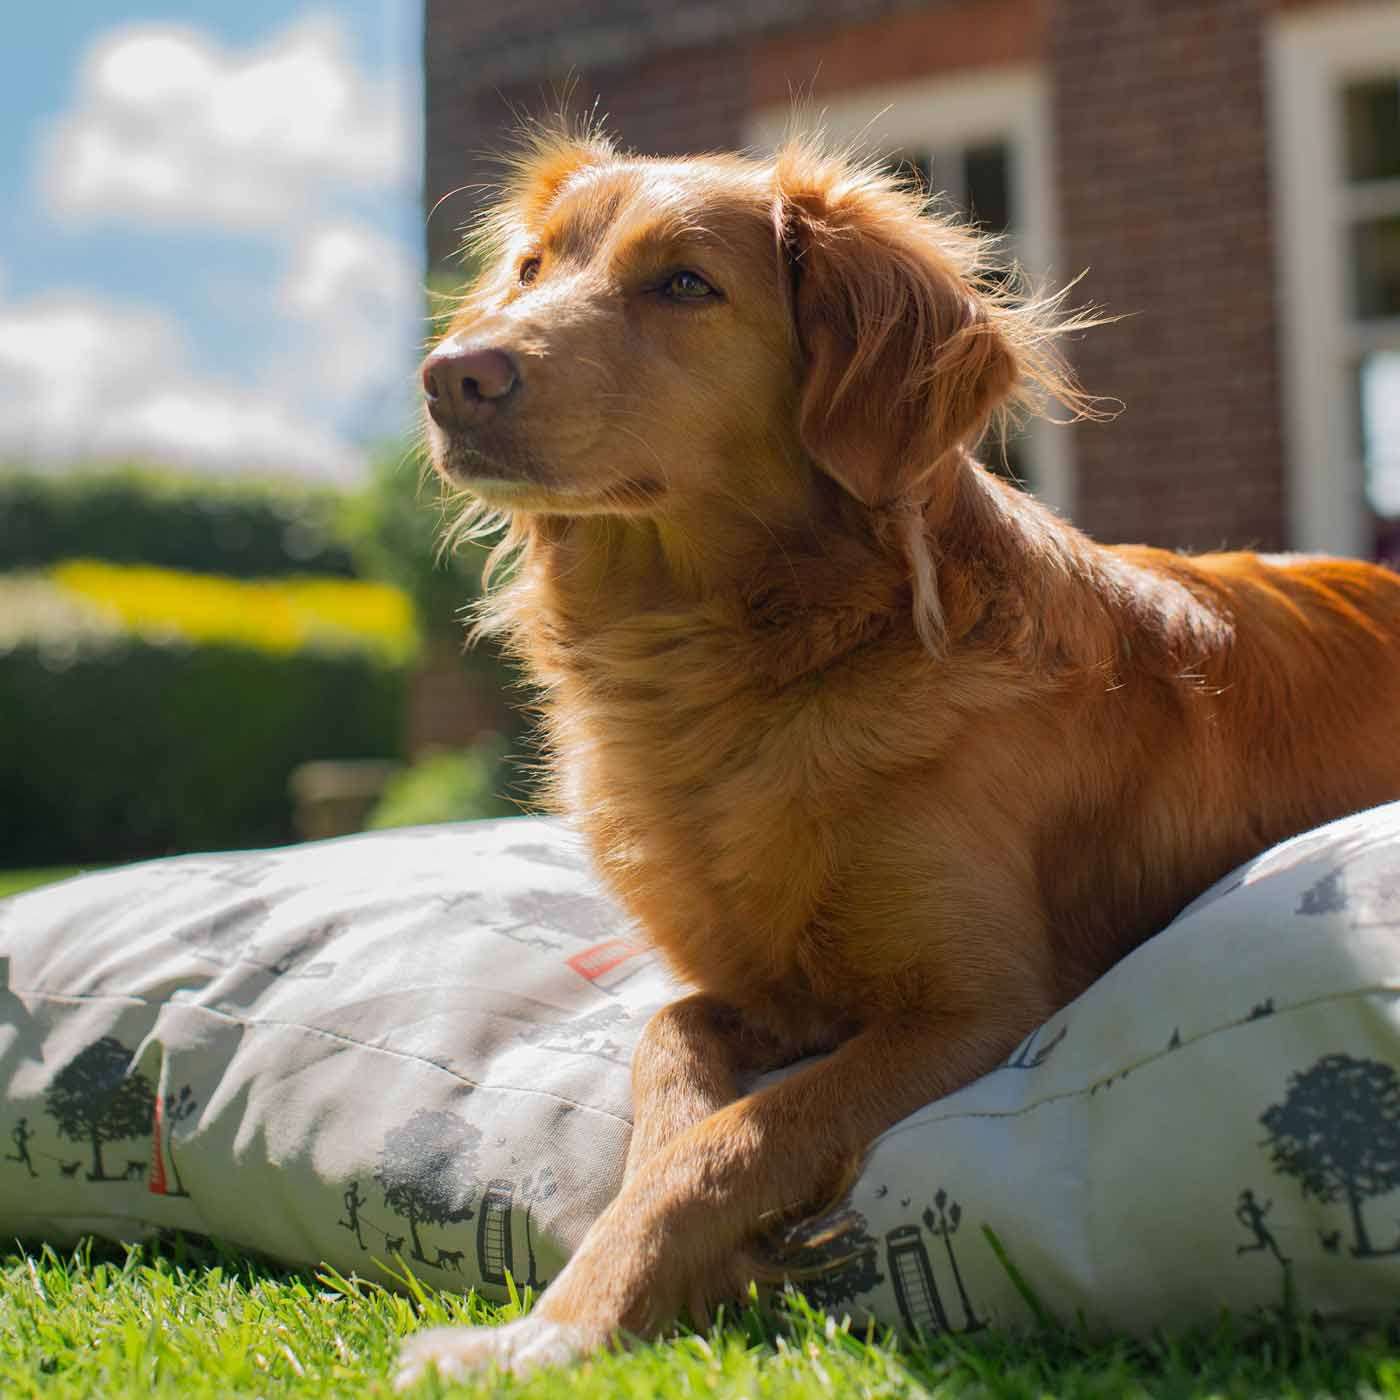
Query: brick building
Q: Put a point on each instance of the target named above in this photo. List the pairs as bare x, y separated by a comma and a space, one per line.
1225, 172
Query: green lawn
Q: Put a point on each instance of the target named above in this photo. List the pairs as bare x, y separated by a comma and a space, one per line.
14, 881
194, 1322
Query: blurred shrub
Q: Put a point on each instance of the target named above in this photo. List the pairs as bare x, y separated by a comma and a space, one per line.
134, 748
394, 529
144, 711
244, 527
149, 705
271, 614
449, 786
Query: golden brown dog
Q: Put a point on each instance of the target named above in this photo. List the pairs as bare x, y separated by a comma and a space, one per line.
889, 761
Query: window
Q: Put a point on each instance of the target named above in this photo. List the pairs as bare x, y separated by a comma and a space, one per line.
1371, 205
1336, 132
976, 182
982, 142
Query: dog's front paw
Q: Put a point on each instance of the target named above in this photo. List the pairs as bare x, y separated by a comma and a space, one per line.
519, 1347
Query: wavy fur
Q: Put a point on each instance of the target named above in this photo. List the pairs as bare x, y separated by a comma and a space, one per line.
888, 760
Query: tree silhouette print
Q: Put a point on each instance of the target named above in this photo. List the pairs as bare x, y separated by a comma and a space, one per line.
95, 1100
580, 916
1368, 891
848, 1256
427, 1169
564, 858
1327, 896
1338, 1132
943, 1220
585, 1035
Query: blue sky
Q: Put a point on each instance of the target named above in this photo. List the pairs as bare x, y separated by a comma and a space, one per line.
210, 231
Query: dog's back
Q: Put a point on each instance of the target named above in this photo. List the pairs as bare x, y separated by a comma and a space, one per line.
1279, 714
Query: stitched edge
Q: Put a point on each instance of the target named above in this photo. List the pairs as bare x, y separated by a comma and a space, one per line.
1388, 990
318, 1032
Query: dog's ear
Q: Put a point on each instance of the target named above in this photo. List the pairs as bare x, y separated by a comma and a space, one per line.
903, 356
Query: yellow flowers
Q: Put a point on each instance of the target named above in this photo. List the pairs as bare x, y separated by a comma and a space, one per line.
279, 615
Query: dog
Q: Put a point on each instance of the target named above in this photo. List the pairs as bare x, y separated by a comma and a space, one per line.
888, 760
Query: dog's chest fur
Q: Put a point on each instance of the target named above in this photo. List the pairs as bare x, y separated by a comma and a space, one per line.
708, 755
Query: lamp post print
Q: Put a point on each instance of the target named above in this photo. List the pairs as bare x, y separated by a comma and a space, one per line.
177, 1107
943, 1220
538, 1186
95, 1100
1338, 1131
845, 1262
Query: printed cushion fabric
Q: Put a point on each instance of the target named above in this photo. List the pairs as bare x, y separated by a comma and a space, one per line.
416, 1043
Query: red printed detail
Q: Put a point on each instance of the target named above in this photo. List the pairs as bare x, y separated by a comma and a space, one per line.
155, 1182
593, 962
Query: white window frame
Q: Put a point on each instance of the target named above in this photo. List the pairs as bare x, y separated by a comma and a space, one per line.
1311, 57
1010, 105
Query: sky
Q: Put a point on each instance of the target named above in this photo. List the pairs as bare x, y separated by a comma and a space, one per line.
210, 232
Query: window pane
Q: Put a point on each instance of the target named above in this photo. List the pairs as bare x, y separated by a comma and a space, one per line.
986, 178
1372, 114
1378, 386
1376, 264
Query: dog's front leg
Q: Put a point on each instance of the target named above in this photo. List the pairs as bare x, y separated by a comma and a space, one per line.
687, 1066
681, 1230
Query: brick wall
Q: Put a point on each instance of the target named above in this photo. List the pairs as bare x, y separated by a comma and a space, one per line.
672, 76
900, 47
676, 102
1163, 186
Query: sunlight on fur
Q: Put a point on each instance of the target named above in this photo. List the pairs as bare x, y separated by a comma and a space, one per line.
888, 760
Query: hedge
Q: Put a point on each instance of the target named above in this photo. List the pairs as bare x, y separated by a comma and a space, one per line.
282, 615
245, 527
130, 748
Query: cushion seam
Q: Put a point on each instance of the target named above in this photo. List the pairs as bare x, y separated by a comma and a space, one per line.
319, 1032
905, 1126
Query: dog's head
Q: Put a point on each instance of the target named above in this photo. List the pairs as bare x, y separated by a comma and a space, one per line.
649, 335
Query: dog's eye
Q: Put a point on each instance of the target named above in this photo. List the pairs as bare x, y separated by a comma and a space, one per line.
688, 286
529, 270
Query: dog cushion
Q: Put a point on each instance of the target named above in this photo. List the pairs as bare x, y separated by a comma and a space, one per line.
416, 1044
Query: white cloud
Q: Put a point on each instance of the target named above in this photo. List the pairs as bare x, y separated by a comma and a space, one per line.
82, 378
62, 356
213, 427
169, 127
359, 294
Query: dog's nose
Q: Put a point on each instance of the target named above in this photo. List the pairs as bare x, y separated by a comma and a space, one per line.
464, 384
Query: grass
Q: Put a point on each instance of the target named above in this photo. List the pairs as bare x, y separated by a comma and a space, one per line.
191, 1320
16, 881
